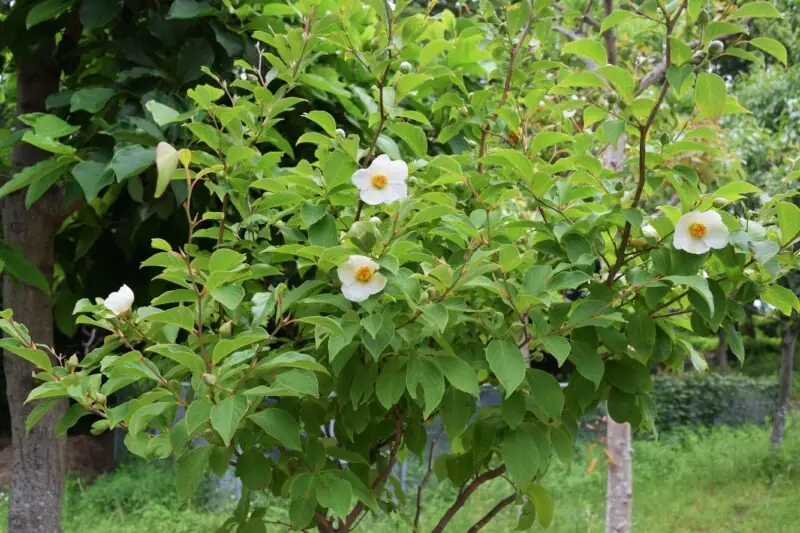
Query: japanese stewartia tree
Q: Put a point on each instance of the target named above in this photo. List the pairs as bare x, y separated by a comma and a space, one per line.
456, 226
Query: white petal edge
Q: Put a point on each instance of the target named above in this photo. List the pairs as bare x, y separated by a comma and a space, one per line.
716, 236
374, 196
361, 179
356, 293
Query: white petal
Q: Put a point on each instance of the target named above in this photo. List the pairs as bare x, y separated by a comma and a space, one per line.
708, 218
394, 192
376, 284
695, 246
716, 236
361, 179
649, 231
119, 302
356, 293
381, 165
374, 196
347, 273
398, 172
363, 260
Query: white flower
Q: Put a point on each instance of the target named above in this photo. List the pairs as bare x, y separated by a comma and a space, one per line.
569, 113
360, 279
383, 182
649, 231
120, 302
699, 231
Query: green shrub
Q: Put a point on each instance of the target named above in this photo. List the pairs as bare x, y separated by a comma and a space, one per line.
711, 399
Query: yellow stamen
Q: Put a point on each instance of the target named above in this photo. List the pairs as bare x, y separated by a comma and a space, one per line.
697, 230
379, 181
363, 274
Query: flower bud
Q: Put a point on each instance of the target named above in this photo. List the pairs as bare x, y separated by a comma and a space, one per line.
715, 48
702, 18
364, 234
340, 132
619, 186
720, 202
100, 398
406, 67
375, 220
226, 328
638, 243
665, 138
698, 57
612, 98
210, 379
72, 363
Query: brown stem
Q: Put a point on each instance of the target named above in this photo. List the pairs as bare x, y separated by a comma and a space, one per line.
502, 504
464, 495
424, 482
506, 89
377, 485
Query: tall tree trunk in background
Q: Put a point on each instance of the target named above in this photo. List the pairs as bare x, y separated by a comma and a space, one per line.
722, 350
788, 349
37, 477
619, 495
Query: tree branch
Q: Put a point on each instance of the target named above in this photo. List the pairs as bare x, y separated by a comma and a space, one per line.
381, 479
424, 482
464, 495
502, 504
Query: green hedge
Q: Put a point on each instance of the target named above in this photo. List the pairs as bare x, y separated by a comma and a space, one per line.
712, 399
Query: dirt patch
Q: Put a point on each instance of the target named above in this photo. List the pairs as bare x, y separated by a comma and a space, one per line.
87, 457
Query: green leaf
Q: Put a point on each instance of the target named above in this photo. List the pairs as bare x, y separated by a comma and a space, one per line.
230, 295
279, 425
642, 332
225, 260
782, 298
189, 9
131, 161
38, 413
616, 17
588, 362
546, 393
97, 13
507, 363
162, 114
735, 189
421, 372
47, 144
734, 340
93, 177
47, 10
458, 373
225, 347
548, 138
710, 94
587, 49
17, 266
697, 283
720, 28
563, 444
756, 10
788, 221
254, 468
391, 383
558, 347
38, 358
191, 467
177, 316
227, 415
91, 100
46, 170
413, 136
334, 493
182, 355
325, 120
543, 502
69, 419
612, 130
520, 455
772, 47
48, 125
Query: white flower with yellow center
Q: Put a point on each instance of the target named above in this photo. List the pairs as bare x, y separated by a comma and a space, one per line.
360, 278
383, 182
699, 231
119, 302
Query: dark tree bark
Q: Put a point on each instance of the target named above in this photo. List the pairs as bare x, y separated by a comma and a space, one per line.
37, 478
788, 350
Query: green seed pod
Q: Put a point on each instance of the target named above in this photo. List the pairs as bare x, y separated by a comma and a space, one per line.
715, 48
406, 67
665, 138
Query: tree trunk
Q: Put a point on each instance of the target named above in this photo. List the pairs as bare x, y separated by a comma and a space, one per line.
788, 348
619, 495
722, 350
37, 477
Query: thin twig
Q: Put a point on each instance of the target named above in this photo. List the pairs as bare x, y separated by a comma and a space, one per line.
424, 481
464, 495
502, 504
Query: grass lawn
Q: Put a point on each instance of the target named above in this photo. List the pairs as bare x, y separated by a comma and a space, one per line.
724, 481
